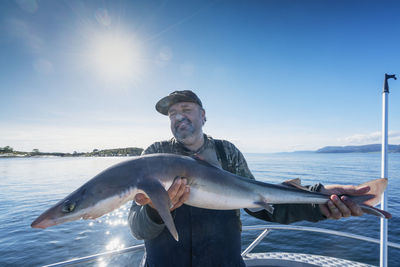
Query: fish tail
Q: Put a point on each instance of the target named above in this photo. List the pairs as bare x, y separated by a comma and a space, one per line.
375, 211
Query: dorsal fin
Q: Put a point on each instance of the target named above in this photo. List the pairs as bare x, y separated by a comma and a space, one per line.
296, 183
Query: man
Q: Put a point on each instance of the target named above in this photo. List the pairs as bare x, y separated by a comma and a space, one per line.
212, 237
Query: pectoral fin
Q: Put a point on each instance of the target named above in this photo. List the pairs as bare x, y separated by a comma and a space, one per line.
256, 209
159, 196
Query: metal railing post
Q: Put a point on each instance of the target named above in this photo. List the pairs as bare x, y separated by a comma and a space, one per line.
255, 242
384, 170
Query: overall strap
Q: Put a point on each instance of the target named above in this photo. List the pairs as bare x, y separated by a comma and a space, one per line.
219, 148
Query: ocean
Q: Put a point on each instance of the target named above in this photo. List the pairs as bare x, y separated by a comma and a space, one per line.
28, 186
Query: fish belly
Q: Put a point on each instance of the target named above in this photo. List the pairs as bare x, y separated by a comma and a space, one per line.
217, 201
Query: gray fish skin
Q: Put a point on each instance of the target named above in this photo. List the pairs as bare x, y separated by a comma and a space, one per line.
210, 188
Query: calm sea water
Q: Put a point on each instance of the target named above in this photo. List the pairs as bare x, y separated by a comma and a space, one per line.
28, 186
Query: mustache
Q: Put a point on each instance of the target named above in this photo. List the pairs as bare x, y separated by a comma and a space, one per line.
181, 121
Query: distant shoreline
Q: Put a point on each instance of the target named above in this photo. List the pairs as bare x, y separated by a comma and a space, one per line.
135, 151
115, 152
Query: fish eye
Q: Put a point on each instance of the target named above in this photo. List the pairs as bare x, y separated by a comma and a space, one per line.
68, 207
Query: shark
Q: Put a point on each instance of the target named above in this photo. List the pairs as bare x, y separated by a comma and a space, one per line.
210, 188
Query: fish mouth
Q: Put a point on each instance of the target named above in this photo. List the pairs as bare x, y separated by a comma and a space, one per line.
49, 218
43, 223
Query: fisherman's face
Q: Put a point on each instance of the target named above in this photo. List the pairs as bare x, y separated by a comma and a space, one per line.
187, 120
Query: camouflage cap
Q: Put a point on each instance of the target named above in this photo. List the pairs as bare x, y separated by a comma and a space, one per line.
165, 103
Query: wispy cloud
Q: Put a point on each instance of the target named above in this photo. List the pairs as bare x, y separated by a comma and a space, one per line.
26, 34
369, 138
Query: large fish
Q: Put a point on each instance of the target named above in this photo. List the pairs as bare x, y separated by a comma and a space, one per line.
210, 188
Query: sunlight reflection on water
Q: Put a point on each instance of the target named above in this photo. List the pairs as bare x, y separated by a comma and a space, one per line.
114, 244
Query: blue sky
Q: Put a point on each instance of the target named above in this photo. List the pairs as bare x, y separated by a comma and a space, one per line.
273, 75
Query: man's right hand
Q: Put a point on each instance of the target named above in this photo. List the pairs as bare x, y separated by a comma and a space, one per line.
178, 193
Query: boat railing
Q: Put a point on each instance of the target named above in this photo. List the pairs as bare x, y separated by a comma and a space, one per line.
266, 229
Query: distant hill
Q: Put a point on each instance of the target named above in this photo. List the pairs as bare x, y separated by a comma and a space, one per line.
358, 149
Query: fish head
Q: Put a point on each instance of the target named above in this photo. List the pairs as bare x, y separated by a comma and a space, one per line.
71, 208
100, 195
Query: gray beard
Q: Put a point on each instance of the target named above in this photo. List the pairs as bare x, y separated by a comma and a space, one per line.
189, 131
181, 135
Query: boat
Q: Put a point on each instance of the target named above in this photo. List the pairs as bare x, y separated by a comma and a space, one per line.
267, 259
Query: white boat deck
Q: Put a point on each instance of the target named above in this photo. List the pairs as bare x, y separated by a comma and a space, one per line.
284, 259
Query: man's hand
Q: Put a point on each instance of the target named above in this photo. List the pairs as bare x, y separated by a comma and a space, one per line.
342, 207
178, 193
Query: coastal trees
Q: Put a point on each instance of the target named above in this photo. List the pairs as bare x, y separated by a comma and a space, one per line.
6, 149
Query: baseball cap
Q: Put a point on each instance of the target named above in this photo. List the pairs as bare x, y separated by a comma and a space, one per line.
165, 103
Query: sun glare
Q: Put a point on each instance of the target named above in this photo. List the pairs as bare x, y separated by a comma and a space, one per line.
115, 58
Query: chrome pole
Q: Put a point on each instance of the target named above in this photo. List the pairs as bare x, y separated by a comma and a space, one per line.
384, 170
255, 242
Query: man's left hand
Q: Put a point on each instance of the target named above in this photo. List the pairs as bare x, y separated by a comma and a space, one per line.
336, 207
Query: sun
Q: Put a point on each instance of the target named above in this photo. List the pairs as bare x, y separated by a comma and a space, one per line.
115, 57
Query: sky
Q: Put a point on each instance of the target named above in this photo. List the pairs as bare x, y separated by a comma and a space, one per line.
273, 75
